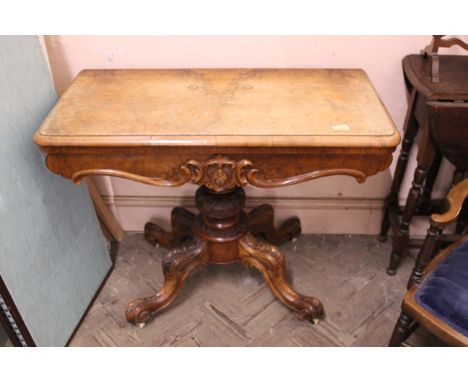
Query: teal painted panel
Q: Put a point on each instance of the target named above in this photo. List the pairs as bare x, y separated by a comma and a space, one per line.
53, 256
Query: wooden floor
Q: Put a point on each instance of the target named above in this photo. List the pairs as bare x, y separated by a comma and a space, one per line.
231, 305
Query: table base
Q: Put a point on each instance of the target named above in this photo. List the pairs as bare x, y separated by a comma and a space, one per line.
222, 233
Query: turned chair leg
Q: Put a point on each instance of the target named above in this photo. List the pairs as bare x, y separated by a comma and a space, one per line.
427, 251
177, 264
270, 262
410, 127
181, 224
432, 240
401, 331
262, 225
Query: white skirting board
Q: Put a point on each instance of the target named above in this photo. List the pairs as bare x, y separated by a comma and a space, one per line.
318, 215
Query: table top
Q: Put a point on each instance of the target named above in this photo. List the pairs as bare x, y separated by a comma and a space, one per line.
220, 107
453, 71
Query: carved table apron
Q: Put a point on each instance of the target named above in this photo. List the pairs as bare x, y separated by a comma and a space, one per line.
221, 130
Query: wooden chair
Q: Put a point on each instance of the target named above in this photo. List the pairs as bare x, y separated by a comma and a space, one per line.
438, 293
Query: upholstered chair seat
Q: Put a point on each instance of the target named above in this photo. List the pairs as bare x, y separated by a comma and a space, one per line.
445, 291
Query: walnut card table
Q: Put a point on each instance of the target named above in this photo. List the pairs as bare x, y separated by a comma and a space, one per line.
221, 130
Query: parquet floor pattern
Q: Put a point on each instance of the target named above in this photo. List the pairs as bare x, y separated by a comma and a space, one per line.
231, 305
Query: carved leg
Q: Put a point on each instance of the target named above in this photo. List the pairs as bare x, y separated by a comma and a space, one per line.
401, 237
270, 261
401, 331
181, 222
262, 224
391, 201
177, 264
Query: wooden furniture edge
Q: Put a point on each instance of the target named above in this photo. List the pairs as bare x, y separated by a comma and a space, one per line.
144, 148
187, 166
396, 136
221, 141
410, 72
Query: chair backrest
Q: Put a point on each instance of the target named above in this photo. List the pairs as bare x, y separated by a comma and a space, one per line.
449, 130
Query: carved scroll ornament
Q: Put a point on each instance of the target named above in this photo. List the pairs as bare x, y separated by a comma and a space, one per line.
221, 173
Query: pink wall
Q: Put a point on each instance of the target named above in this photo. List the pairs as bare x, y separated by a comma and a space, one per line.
379, 56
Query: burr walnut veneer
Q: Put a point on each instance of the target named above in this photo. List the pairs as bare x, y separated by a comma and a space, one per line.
221, 130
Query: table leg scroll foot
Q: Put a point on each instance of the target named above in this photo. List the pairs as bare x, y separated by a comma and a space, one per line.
176, 264
270, 262
181, 223
262, 224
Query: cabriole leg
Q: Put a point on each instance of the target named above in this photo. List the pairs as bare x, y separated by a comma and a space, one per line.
270, 262
177, 264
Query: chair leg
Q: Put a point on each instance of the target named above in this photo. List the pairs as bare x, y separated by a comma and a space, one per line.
401, 331
426, 253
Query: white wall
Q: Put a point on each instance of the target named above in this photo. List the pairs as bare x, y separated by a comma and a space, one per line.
330, 205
